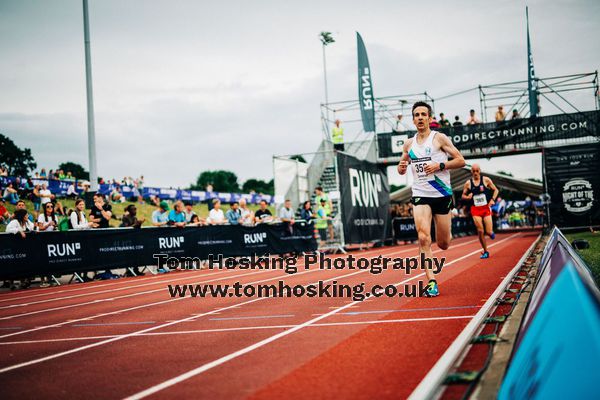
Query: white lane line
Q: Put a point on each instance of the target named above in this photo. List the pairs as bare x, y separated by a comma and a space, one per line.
403, 310
245, 328
106, 291
175, 282
101, 284
252, 317
8, 317
156, 303
33, 293
121, 337
118, 323
203, 368
92, 345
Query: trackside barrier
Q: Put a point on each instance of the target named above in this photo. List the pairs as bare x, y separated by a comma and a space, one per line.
404, 228
429, 388
55, 253
558, 347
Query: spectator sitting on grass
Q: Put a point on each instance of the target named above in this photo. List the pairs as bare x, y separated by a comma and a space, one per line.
10, 194
20, 223
116, 196
47, 221
160, 216
233, 215
101, 213
263, 214
77, 216
130, 218
216, 216
177, 216
246, 213
46, 195
4, 214
21, 206
71, 191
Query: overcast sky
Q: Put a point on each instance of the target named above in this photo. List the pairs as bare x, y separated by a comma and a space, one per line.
185, 86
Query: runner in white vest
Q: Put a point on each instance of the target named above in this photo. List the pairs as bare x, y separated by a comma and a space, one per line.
428, 153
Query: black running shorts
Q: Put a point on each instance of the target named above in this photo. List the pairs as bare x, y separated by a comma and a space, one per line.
439, 205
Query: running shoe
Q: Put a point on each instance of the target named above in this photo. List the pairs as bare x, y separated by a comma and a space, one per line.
485, 254
432, 289
493, 236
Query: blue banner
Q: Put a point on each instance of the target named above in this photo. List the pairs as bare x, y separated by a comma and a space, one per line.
59, 188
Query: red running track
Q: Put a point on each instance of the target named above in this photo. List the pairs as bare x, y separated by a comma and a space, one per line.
131, 339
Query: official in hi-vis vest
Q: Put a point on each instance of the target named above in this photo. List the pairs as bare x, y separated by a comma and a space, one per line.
337, 136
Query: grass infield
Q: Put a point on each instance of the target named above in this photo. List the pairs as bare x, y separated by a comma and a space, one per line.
592, 255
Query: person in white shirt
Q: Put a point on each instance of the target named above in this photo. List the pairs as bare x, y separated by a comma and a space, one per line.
20, 223
77, 217
47, 221
71, 191
216, 216
247, 215
45, 194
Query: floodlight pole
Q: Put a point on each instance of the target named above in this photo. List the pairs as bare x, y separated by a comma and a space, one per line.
326, 91
90, 102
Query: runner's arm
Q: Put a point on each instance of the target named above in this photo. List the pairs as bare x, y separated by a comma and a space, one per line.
490, 184
447, 146
465, 194
404, 159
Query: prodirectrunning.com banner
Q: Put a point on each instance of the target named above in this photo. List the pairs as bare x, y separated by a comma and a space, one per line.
365, 198
45, 253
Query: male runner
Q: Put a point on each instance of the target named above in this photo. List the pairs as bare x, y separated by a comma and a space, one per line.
475, 190
428, 153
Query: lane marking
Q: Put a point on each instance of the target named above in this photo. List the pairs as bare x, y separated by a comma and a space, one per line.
119, 297
33, 293
126, 281
252, 317
246, 328
118, 323
121, 337
117, 312
215, 363
405, 310
138, 293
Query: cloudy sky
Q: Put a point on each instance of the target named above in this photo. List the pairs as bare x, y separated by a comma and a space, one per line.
185, 86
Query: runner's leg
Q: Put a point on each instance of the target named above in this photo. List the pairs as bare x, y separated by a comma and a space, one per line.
480, 232
422, 215
489, 226
443, 230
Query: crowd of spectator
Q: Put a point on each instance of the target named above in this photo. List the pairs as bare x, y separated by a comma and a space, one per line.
472, 119
505, 214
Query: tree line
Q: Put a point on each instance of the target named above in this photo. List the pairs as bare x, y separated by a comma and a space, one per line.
20, 162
